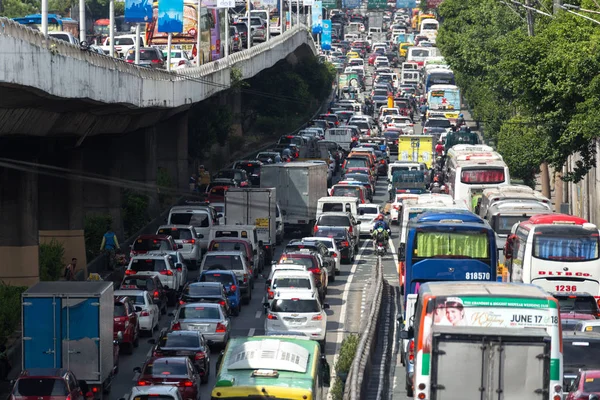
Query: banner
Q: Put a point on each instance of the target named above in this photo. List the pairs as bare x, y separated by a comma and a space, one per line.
170, 16
326, 35
350, 4
317, 17
406, 3
329, 4
138, 11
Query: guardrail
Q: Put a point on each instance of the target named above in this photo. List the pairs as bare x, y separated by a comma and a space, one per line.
11, 28
358, 376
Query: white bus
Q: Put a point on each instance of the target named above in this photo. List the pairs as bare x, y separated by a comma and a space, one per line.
472, 168
557, 252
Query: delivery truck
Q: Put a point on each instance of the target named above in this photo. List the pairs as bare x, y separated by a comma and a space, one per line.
70, 325
416, 148
490, 363
253, 206
299, 186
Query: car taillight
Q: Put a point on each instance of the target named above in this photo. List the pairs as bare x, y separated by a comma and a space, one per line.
411, 351
350, 229
156, 294
334, 255
233, 288
222, 303
317, 317
337, 123
145, 314
186, 383
382, 161
166, 272
315, 229
221, 328
129, 272
190, 241
270, 294
271, 316
156, 61
345, 244
176, 327
130, 61
182, 62
396, 207
315, 270
369, 132
144, 383
245, 278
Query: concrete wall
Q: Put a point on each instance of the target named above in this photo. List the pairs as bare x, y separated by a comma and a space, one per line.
59, 69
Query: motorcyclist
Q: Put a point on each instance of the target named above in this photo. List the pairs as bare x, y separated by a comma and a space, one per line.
460, 121
381, 222
380, 236
439, 148
436, 188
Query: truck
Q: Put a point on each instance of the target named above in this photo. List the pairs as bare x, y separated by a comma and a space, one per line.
416, 148
299, 186
70, 325
490, 363
254, 206
375, 20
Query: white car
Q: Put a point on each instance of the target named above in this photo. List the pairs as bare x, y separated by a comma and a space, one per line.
367, 215
187, 237
381, 62
396, 208
147, 312
334, 252
299, 312
155, 391
161, 265
179, 59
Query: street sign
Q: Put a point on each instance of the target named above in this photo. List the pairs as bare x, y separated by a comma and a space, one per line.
377, 4
406, 3
350, 4
329, 4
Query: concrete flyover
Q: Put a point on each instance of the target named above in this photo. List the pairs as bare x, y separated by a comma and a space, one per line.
50, 87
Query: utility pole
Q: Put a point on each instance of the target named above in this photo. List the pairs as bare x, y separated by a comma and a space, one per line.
530, 20
556, 6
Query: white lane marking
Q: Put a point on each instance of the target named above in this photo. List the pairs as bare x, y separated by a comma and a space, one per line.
342, 319
251, 332
263, 300
149, 354
258, 314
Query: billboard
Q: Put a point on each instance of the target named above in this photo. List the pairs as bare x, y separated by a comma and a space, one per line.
170, 16
138, 11
317, 16
406, 3
326, 35
329, 4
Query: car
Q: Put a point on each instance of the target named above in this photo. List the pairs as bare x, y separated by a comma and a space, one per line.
313, 265
571, 321
147, 312
125, 321
333, 249
154, 392
180, 371
179, 59
237, 244
286, 280
150, 283
230, 283
186, 236
252, 168
365, 181
300, 312
181, 269
149, 57
269, 157
580, 350
588, 326
159, 264
54, 383
367, 215
343, 240
206, 292
209, 319
280, 267
233, 261
184, 343
241, 30
342, 219
577, 302
316, 246
586, 383
144, 244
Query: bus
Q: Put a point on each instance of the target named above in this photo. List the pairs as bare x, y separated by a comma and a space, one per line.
448, 246
440, 76
557, 252
444, 98
471, 169
285, 367
484, 305
56, 23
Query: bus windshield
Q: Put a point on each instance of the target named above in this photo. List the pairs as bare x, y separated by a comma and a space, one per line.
565, 244
502, 224
452, 245
448, 98
440, 78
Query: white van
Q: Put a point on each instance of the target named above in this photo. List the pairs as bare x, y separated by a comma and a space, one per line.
420, 54
410, 77
342, 136
338, 204
351, 37
198, 217
410, 66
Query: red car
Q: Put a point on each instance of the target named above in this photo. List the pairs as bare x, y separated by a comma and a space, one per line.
372, 58
126, 321
586, 384
173, 371
49, 383
145, 243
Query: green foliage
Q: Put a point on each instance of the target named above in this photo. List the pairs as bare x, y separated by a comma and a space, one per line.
134, 210
51, 260
537, 96
343, 364
95, 226
164, 180
209, 123
18, 8
10, 312
237, 79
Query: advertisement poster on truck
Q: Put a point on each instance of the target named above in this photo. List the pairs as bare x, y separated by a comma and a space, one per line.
346, 80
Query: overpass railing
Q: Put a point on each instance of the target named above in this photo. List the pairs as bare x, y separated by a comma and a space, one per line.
13, 29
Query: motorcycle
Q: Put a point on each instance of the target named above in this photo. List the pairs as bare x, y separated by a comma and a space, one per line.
380, 249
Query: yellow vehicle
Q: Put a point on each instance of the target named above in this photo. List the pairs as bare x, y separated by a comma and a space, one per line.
352, 54
403, 48
416, 148
422, 17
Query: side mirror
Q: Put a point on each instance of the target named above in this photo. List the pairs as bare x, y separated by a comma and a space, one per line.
119, 335
199, 236
326, 306
358, 222
219, 215
266, 305
138, 309
179, 267
268, 283
152, 341
402, 252
326, 371
138, 370
407, 334
220, 361
261, 243
400, 319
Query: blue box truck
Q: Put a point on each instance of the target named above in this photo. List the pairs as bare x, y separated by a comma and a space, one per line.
70, 325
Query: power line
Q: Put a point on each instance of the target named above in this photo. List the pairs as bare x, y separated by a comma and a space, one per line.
531, 8
564, 7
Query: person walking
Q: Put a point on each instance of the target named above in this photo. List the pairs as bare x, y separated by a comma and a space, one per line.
203, 179
193, 182
69, 273
109, 244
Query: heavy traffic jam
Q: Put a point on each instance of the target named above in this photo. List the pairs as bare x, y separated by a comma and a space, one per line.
390, 170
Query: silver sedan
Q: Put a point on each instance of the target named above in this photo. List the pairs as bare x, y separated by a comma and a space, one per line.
207, 318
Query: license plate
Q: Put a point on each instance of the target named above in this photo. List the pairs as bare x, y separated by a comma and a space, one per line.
199, 328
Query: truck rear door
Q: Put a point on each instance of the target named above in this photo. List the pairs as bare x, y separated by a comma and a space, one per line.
41, 332
81, 337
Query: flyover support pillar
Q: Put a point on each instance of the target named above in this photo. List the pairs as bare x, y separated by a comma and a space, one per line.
172, 145
19, 242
